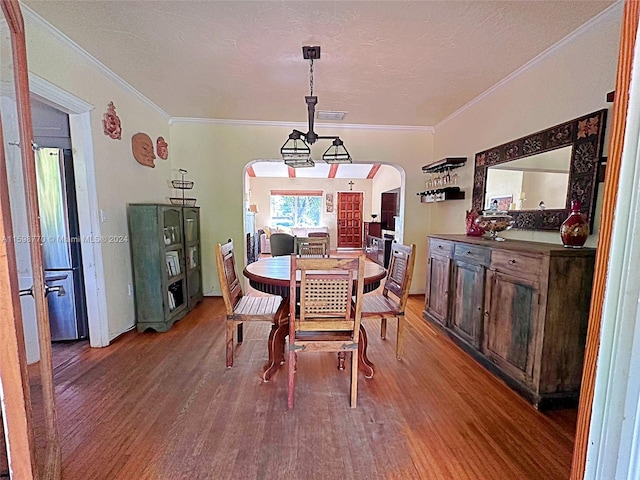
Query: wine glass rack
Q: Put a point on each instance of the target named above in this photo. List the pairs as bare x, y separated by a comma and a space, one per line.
444, 185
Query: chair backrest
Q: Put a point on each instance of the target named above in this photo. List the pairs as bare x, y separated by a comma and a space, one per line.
229, 282
281, 244
327, 286
311, 247
400, 271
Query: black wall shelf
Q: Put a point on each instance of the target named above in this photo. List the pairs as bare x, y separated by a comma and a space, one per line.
444, 192
448, 163
441, 194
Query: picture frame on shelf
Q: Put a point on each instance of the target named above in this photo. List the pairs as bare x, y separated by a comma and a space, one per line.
502, 202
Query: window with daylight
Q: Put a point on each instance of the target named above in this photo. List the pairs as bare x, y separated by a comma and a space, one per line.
296, 208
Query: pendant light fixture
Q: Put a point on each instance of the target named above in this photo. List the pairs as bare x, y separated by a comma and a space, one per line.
296, 151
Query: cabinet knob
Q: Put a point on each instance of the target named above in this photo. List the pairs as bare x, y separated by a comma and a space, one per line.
486, 313
512, 262
439, 247
468, 252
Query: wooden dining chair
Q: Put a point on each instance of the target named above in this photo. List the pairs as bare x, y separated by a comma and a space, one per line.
243, 308
392, 301
325, 319
311, 247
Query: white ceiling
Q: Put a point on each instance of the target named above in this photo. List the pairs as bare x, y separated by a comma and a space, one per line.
396, 63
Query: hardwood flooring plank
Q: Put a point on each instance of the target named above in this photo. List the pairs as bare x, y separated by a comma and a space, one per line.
164, 406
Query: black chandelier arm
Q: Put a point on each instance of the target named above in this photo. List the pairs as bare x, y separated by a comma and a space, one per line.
327, 137
296, 134
311, 110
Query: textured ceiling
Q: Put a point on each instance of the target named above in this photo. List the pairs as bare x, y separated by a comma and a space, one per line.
385, 63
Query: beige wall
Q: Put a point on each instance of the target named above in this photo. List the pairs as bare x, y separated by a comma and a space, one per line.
120, 179
573, 81
387, 178
216, 155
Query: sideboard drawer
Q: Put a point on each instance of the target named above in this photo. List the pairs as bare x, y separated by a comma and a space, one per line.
516, 263
472, 254
440, 247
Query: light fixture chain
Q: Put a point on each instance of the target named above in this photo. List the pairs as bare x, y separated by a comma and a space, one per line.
311, 78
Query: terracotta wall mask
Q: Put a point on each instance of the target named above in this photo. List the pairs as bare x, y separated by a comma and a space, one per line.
142, 148
162, 148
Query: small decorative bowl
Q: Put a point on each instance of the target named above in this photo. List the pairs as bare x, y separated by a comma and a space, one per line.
494, 221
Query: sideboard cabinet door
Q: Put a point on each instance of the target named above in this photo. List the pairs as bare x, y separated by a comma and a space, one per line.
511, 323
467, 282
438, 277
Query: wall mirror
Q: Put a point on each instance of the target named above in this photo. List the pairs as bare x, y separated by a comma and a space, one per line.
536, 177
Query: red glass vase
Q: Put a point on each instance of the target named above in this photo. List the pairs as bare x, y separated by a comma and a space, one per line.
473, 229
575, 229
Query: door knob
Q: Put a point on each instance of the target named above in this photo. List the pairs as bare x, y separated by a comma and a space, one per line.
57, 288
26, 291
47, 290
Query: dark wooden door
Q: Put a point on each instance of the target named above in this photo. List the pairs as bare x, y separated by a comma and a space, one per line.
467, 301
349, 219
389, 208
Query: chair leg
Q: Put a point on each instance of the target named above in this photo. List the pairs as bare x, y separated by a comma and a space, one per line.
383, 328
230, 328
291, 383
399, 344
239, 333
354, 378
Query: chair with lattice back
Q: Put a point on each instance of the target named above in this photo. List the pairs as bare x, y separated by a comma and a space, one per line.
323, 317
392, 301
243, 308
311, 247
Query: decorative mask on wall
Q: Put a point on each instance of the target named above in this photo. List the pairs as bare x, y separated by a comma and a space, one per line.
111, 123
162, 148
142, 148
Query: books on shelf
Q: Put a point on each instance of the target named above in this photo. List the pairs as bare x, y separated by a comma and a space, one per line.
173, 263
172, 301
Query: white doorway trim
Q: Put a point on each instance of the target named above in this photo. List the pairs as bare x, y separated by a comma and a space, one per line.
88, 218
613, 449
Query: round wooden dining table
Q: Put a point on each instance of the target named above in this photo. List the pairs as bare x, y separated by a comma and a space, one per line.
271, 275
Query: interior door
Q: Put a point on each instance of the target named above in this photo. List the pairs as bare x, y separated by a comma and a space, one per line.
28, 409
349, 220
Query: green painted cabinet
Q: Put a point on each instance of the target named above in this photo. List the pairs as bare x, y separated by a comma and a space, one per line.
165, 257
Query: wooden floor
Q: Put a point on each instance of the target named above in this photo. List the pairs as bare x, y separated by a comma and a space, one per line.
163, 406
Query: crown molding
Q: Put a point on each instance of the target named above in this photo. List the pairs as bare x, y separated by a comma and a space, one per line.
263, 123
50, 93
35, 20
614, 10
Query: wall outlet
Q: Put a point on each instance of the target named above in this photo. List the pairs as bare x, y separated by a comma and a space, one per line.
130, 289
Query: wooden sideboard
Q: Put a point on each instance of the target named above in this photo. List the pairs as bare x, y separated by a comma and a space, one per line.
519, 308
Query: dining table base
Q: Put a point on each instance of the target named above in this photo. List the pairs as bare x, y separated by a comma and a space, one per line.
276, 343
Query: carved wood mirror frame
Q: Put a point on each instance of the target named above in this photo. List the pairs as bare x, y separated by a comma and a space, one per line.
585, 135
